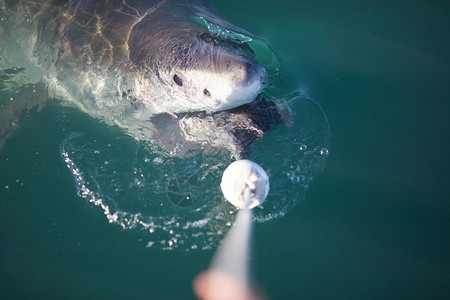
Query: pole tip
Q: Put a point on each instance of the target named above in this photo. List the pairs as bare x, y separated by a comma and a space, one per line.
245, 184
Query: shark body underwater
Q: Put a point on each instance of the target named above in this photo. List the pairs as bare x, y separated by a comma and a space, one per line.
172, 72
194, 90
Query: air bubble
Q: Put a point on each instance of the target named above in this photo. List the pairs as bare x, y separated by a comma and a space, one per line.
324, 152
158, 160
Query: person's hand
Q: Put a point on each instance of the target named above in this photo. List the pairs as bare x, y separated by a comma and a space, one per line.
217, 285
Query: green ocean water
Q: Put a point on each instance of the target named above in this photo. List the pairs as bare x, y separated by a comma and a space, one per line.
375, 224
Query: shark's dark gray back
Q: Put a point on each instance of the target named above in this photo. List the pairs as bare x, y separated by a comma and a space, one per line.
88, 43
106, 32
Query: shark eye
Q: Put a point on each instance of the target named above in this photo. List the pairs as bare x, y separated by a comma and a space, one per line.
206, 93
178, 80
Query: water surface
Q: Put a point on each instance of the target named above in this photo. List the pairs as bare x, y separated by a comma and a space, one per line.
374, 224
